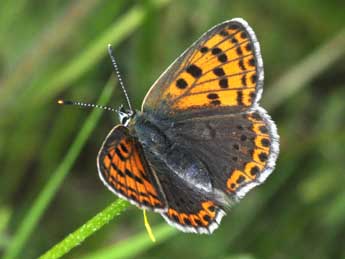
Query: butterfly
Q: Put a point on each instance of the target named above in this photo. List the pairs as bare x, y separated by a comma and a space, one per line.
200, 141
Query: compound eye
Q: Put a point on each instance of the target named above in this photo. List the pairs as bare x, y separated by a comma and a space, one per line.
124, 120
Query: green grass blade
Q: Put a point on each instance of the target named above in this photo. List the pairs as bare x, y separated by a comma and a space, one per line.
305, 71
131, 247
5, 215
81, 64
77, 237
35, 213
51, 38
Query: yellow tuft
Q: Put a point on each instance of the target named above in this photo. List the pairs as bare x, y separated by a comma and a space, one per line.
60, 101
148, 228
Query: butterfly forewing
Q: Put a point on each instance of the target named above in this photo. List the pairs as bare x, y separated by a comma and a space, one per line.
221, 73
124, 170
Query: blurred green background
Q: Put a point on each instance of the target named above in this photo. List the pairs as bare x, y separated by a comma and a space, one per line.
53, 49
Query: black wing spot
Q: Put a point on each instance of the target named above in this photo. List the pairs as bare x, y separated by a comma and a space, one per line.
219, 71
248, 47
198, 222
256, 116
204, 49
233, 27
244, 35
181, 83
239, 97
216, 51
239, 51
254, 78
240, 179
234, 40
252, 62
224, 33
212, 96
194, 71
222, 58
255, 170
265, 142
263, 129
212, 208
207, 218
263, 157
223, 83
244, 80
187, 222
241, 64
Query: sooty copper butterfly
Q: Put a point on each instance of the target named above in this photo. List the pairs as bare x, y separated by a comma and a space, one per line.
201, 141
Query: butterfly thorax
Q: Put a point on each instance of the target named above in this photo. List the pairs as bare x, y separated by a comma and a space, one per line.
165, 154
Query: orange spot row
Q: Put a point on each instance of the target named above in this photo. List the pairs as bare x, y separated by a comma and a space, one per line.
263, 142
237, 178
197, 219
252, 169
225, 97
260, 156
260, 129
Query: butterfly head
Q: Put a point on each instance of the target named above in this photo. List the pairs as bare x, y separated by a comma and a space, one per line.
125, 115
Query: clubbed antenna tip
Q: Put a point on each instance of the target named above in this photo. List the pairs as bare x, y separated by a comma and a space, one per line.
90, 105
63, 102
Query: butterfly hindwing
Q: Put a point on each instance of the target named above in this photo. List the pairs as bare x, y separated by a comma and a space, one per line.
221, 72
189, 209
239, 150
124, 170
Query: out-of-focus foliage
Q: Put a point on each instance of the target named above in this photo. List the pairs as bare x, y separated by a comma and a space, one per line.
53, 49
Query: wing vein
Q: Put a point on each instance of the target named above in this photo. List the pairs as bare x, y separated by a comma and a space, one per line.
186, 93
226, 50
216, 45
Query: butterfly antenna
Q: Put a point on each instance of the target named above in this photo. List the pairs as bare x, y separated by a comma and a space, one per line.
88, 105
111, 54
